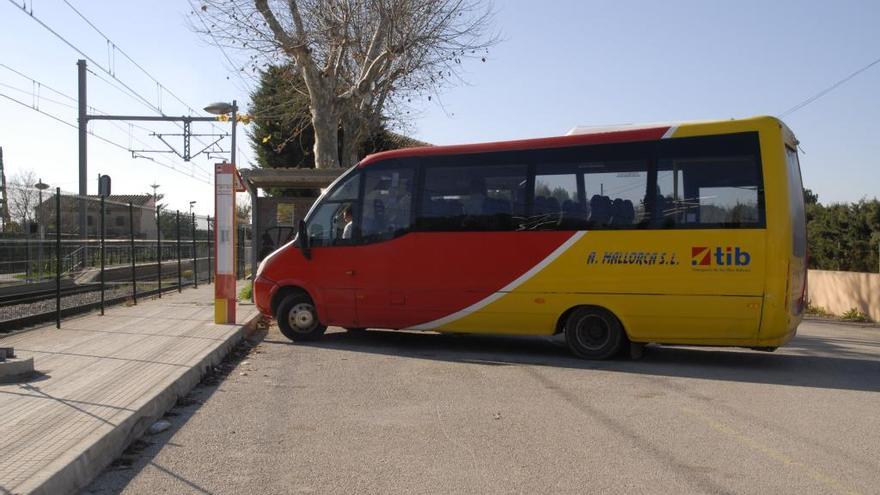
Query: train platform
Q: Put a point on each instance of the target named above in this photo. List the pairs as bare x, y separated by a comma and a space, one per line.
100, 382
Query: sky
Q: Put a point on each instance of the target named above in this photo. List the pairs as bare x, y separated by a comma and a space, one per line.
559, 64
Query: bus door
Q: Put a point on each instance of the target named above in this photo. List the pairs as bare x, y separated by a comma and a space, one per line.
334, 254
384, 223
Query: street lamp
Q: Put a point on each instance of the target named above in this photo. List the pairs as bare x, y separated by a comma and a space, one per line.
41, 186
191, 203
223, 108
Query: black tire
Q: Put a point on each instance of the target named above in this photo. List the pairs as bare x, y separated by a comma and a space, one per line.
298, 319
594, 333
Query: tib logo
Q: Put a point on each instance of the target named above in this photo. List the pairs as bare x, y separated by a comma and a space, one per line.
728, 256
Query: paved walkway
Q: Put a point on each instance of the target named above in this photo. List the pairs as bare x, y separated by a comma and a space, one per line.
102, 380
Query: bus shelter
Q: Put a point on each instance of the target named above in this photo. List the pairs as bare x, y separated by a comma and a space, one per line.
288, 193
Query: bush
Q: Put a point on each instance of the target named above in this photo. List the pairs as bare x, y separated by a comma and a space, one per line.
853, 314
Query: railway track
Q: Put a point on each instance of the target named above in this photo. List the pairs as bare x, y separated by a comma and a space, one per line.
28, 308
33, 296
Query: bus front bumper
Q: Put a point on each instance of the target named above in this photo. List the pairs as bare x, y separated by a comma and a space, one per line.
264, 289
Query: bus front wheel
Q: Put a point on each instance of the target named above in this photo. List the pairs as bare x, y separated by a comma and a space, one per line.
594, 333
298, 319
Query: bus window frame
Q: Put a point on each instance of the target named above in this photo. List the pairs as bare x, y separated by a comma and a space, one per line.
324, 198
649, 152
483, 159
392, 164
751, 140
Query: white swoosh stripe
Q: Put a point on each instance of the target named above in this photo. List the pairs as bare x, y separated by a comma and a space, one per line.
669, 132
504, 290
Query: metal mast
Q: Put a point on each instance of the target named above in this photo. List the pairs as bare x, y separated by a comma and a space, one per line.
4, 199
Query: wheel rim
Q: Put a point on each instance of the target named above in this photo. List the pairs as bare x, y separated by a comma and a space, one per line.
302, 318
593, 332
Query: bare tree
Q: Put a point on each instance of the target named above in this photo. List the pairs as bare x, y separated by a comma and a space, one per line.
23, 197
357, 57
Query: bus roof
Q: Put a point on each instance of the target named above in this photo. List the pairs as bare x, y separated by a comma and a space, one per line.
577, 136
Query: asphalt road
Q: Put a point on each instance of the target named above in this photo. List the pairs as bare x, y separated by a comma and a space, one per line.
392, 412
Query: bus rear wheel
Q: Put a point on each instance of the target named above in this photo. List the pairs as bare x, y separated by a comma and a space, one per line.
594, 333
298, 319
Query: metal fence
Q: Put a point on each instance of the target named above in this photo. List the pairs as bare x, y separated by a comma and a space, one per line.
80, 253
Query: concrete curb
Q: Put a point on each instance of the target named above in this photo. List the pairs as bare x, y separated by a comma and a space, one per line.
833, 320
15, 369
69, 474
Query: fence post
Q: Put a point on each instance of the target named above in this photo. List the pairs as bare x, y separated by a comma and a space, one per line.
102, 255
58, 257
239, 254
134, 291
159, 250
27, 253
195, 269
179, 278
210, 237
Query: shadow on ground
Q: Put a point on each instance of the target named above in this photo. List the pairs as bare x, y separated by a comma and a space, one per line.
807, 361
142, 452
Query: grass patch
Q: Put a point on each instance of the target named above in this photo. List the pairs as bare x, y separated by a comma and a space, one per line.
246, 292
853, 314
816, 310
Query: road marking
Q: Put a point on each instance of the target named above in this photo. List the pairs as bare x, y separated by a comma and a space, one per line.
770, 452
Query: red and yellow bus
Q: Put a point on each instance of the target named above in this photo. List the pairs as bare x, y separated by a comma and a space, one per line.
670, 234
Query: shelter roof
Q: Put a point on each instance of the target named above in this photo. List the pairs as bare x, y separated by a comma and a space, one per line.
290, 178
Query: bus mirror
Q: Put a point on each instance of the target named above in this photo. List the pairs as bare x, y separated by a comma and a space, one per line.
304, 240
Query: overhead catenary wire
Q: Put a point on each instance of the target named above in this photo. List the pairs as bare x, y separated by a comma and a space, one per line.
106, 70
59, 93
134, 98
161, 88
152, 131
116, 47
828, 89
102, 138
83, 54
39, 98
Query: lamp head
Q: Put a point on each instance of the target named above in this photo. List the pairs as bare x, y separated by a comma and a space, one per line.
219, 108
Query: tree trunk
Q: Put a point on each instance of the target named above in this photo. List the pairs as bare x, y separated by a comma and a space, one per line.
351, 140
326, 123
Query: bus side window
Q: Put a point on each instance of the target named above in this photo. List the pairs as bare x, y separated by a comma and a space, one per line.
387, 205
473, 197
616, 192
327, 224
557, 202
332, 225
709, 191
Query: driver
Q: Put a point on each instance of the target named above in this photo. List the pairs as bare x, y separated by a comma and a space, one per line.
348, 219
